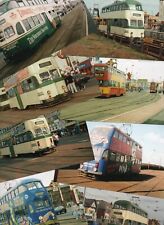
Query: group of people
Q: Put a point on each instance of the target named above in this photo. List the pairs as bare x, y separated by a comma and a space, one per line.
75, 81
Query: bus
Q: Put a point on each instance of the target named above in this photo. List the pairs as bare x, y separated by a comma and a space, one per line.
28, 203
24, 24
40, 84
112, 82
123, 18
115, 152
129, 213
31, 136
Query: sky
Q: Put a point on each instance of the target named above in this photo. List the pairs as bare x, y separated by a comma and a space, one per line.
45, 177
140, 69
153, 206
150, 137
150, 6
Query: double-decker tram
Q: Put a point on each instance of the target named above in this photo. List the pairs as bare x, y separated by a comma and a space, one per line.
129, 213
123, 18
24, 24
112, 82
31, 136
40, 84
114, 151
27, 203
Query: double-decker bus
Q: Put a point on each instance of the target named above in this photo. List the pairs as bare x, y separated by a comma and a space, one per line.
112, 82
123, 18
114, 153
31, 136
36, 85
27, 203
24, 24
129, 213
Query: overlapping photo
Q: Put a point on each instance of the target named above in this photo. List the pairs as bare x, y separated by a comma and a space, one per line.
40, 199
41, 144
85, 88
127, 158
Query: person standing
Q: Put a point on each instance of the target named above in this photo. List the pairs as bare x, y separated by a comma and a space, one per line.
71, 83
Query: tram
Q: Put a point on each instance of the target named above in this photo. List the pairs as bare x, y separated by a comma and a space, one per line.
27, 203
153, 87
114, 153
112, 82
123, 18
40, 84
31, 136
129, 213
24, 24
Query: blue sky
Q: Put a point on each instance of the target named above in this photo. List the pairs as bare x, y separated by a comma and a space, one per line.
150, 6
150, 137
153, 206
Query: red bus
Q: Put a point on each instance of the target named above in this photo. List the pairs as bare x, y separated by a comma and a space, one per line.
112, 82
114, 153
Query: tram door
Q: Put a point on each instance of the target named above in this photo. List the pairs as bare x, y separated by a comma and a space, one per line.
18, 97
11, 148
103, 162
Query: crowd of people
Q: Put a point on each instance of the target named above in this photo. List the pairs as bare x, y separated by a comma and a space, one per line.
75, 81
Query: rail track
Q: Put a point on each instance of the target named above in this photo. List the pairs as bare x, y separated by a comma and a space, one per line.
153, 48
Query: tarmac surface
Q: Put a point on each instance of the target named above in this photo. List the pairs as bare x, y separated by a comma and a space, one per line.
147, 183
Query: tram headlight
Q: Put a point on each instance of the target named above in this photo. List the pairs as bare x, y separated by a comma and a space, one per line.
41, 218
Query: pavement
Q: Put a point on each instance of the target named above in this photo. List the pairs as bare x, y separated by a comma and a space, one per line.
139, 115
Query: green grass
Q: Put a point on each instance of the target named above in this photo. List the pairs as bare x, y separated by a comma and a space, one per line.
157, 119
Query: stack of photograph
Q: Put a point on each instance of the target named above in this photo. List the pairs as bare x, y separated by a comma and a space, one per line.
81, 112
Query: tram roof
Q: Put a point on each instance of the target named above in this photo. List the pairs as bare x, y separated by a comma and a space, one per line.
120, 131
128, 2
21, 182
126, 204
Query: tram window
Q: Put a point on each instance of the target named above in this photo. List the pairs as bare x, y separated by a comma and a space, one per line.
45, 76
31, 22
139, 7
9, 32
11, 93
54, 74
133, 23
38, 185
36, 20
19, 28
120, 137
2, 38
122, 158
44, 64
30, 2
22, 189
140, 23
26, 24
116, 134
20, 3
124, 139
40, 18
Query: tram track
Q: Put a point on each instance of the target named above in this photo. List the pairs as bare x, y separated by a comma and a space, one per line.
125, 102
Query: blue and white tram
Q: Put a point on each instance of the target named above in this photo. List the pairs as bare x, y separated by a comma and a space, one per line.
124, 18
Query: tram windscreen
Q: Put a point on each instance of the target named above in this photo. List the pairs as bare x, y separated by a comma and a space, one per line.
100, 140
41, 204
41, 131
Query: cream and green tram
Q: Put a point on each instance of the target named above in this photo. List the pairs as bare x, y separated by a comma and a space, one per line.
40, 84
31, 136
129, 213
25, 24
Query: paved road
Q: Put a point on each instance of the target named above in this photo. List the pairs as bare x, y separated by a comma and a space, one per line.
148, 182
86, 105
73, 28
71, 150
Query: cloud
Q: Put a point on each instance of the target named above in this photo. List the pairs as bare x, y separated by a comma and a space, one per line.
153, 137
